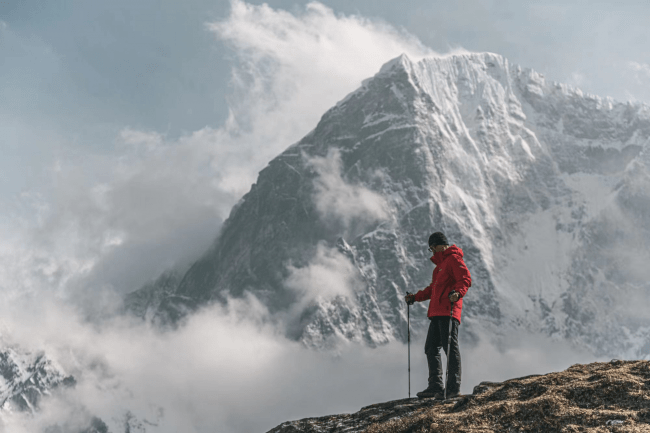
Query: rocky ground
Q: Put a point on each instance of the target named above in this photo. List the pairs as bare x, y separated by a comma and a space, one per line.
597, 397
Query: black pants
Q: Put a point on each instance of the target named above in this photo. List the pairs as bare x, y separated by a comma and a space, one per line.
436, 339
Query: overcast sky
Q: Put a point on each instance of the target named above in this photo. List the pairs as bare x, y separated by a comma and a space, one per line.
129, 129
76, 72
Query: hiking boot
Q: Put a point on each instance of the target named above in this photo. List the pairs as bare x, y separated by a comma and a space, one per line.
453, 393
431, 392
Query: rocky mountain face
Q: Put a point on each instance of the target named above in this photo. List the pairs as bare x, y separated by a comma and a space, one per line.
27, 378
594, 397
545, 189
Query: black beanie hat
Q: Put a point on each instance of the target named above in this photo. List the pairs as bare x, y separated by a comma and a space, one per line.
438, 238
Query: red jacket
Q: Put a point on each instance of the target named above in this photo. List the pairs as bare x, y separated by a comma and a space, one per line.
450, 274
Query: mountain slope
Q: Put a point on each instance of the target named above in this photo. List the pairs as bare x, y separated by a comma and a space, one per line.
27, 378
31, 381
543, 187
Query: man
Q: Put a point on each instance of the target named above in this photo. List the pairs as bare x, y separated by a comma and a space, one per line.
449, 284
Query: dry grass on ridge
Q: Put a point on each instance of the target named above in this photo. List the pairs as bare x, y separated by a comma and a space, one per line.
592, 397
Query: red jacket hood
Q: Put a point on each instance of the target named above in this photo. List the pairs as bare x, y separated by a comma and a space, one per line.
440, 257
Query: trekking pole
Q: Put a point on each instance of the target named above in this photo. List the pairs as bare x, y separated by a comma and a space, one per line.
451, 315
408, 322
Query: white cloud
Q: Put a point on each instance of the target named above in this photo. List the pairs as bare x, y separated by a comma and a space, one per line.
291, 69
343, 202
642, 69
149, 140
329, 274
110, 223
637, 77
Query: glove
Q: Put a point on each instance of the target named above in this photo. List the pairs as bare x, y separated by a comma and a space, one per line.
410, 299
454, 296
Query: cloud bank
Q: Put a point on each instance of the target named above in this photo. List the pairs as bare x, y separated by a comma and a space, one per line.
327, 275
347, 206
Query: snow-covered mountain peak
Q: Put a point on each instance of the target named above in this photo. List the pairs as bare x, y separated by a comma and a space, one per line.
25, 378
531, 178
399, 63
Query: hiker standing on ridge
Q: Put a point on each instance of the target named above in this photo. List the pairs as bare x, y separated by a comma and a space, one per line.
449, 284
